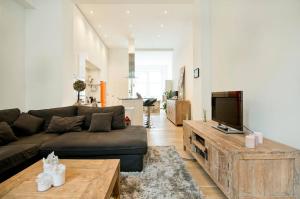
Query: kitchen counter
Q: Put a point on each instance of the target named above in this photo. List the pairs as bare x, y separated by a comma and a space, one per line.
133, 109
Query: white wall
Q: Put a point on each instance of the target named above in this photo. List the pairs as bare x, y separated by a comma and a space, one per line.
12, 44
69, 67
202, 56
256, 48
183, 56
89, 45
56, 35
89, 48
49, 60
192, 53
196, 104
195, 52
117, 86
39, 53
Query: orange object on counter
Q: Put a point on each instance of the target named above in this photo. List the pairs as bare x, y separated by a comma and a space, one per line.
127, 121
103, 93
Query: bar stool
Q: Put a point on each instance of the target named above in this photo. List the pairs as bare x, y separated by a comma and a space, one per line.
149, 103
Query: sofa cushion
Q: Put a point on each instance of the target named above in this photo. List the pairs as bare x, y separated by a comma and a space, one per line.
101, 122
47, 114
37, 139
14, 155
132, 140
118, 120
6, 134
65, 124
9, 115
28, 124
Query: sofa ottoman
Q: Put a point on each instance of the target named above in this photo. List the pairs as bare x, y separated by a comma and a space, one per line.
15, 157
129, 145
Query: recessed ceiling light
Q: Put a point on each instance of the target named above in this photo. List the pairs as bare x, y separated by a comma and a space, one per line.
162, 25
91, 12
165, 12
158, 36
128, 12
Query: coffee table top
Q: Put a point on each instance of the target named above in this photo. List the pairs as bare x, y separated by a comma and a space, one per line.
84, 179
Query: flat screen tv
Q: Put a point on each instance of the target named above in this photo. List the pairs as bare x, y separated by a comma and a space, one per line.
227, 109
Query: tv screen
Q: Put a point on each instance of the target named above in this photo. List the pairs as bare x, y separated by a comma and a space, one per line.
227, 108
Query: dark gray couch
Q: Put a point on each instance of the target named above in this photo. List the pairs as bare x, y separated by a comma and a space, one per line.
127, 144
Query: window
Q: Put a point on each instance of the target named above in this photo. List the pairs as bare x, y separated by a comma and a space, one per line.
151, 70
149, 83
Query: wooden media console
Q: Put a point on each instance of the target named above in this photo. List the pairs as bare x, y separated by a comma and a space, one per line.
271, 170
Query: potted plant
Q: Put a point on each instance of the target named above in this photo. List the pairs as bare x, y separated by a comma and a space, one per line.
79, 86
168, 95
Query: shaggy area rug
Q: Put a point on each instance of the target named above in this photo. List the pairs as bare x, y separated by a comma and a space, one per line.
164, 177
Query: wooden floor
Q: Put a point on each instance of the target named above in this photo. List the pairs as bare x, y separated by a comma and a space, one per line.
165, 133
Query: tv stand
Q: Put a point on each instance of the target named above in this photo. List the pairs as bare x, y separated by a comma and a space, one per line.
226, 129
271, 170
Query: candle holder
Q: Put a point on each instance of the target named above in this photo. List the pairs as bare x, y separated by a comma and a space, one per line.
53, 173
250, 141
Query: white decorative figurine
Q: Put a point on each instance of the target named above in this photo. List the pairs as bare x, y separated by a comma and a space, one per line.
53, 174
50, 162
58, 175
44, 181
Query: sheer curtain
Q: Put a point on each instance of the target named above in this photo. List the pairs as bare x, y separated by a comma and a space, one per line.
151, 71
149, 83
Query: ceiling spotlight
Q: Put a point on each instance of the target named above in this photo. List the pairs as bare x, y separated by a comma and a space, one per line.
128, 12
165, 12
91, 12
162, 25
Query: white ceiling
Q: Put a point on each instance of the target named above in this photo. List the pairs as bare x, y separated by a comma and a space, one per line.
135, 1
147, 23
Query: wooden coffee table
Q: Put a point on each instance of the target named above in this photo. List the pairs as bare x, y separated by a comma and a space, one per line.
84, 179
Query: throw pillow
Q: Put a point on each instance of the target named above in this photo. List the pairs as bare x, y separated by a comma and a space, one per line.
9, 115
6, 134
28, 124
118, 119
65, 124
101, 122
47, 114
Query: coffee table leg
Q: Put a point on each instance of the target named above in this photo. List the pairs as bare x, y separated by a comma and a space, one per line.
116, 191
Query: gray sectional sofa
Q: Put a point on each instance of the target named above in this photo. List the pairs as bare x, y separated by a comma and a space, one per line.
129, 144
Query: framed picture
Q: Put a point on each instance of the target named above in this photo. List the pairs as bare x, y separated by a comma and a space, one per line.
196, 73
181, 83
